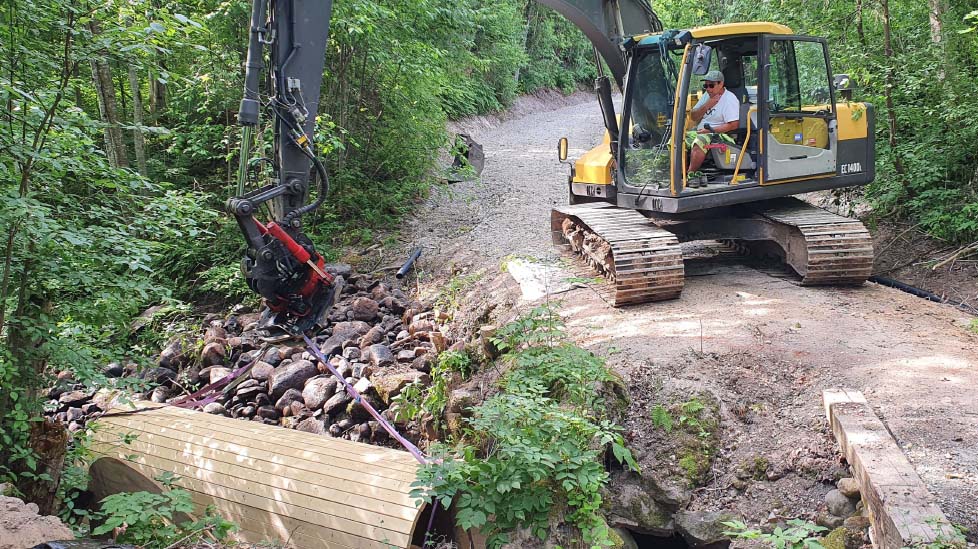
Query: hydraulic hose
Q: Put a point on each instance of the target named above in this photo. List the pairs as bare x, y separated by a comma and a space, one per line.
923, 294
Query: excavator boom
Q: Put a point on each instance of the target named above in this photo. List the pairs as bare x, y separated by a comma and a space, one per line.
607, 23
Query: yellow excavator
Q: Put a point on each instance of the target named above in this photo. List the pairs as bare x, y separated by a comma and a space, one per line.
792, 129
633, 199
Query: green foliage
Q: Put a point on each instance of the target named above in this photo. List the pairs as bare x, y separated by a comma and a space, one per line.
147, 519
536, 446
661, 418
799, 534
416, 399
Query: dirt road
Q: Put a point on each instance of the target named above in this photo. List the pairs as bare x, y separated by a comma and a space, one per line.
763, 345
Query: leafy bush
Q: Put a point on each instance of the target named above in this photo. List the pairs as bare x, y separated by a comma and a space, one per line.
535, 447
147, 519
799, 534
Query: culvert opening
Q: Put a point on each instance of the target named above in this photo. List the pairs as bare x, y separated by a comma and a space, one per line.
649, 541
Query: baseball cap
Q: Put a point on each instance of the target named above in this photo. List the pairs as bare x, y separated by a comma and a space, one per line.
714, 76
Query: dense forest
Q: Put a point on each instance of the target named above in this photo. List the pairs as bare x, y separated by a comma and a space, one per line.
120, 145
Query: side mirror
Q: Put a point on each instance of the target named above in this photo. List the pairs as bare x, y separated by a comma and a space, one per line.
843, 84
701, 59
562, 150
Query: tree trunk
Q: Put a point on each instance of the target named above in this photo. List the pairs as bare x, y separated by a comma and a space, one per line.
936, 13
115, 147
859, 22
157, 95
890, 83
528, 16
137, 121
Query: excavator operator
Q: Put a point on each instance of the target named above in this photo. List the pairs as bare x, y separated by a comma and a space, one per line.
718, 111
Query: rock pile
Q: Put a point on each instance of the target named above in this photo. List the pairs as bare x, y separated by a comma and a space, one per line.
379, 339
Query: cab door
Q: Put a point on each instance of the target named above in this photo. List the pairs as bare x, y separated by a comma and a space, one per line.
797, 110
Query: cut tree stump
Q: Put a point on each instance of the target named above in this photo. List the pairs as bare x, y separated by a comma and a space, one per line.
903, 512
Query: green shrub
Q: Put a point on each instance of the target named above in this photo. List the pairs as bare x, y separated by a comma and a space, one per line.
535, 447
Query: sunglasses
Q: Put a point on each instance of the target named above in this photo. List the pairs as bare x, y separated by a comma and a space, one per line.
711, 86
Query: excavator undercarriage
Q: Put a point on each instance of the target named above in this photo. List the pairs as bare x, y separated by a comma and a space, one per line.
643, 260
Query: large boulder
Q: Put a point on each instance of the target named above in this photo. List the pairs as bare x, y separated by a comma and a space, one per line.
365, 309
704, 528
389, 386
172, 356
631, 507
290, 376
344, 333
318, 390
379, 355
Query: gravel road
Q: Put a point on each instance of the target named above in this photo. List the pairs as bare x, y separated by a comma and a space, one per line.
751, 336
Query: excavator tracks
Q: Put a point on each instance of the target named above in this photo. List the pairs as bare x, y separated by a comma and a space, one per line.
644, 262
824, 248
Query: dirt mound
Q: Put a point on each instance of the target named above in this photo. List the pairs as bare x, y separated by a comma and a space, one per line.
21, 526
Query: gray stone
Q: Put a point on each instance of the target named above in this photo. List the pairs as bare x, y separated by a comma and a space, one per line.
357, 410
74, 414
627, 540
364, 308
160, 394
379, 355
75, 398
215, 408
631, 507
213, 354
286, 400
317, 391
393, 305
389, 386
829, 521
339, 269
337, 403
363, 385
344, 334
268, 412
158, 375
406, 355
351, 353
361, 370
248, 393
839, 505
849, 487
374, 335
218, 373
857, 523
360, 433
113, 369
703, 528
290, 376
273, 356
261, 370
312, 425
247, 411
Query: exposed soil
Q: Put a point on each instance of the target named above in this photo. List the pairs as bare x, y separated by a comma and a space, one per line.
747, 334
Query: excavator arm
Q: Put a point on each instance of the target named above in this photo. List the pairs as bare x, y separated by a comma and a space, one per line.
607, 23
280, 262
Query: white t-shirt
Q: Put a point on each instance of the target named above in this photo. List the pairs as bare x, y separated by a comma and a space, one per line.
726, 110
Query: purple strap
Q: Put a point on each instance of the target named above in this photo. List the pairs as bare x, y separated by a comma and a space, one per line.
356, 397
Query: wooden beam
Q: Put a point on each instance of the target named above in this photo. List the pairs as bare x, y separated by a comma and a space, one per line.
902, 511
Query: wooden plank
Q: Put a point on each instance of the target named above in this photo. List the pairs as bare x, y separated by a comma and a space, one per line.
263, 448
363, 509
903, 512
358, 447
259, 461
375, 456
319, 525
